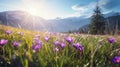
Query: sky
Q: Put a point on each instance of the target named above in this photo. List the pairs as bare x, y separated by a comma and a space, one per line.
50, 9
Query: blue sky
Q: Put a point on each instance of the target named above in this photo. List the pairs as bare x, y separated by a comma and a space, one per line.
50, 9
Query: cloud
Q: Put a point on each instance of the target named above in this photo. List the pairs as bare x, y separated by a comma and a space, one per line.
87, 9
79, 8
83, 9
109, 4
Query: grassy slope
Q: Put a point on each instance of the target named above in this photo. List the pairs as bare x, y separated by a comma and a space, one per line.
97, 51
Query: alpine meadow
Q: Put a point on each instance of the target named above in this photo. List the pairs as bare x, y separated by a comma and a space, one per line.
59, 33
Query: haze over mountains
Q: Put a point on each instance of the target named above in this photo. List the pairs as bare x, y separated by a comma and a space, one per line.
21, 19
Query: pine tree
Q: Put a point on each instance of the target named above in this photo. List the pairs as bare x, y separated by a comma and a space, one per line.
97, 22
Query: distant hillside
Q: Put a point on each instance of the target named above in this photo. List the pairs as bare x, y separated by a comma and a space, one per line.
114, 23
18, 19
21, 19
112, 26
24, 20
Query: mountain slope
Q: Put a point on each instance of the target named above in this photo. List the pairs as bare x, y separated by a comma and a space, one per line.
21, 19
24, 20
18, 19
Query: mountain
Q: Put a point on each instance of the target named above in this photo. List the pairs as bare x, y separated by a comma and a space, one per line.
67, 24
22, 19
112, 13
114, 23
19, 19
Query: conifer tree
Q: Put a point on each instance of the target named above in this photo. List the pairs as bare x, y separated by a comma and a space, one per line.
98, 22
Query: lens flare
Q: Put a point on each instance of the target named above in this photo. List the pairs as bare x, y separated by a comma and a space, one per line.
34, 8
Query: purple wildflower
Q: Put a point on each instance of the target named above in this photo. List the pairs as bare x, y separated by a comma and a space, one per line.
36, 47
46, 38
62, 45
56, 43
8, 32
37, 44
56, 49
111, 40
16, 44
3, 42
69, 39
37, 41
78, 47
116, 60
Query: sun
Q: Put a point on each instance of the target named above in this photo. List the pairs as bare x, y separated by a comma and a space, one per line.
33, 11
37, 8
32, 7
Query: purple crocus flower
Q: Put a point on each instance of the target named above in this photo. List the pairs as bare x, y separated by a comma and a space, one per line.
111, 40
78, 46
8, 32
69, 39
16, 44
36, 47
56, 49
57, 43
62, 45
46, 38
116, 59
37, 41
37, 44
3, 42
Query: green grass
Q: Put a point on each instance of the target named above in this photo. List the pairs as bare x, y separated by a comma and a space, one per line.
97, 52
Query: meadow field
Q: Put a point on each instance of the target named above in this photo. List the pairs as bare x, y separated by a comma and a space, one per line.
23, 48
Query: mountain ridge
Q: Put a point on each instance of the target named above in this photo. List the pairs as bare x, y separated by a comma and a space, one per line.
21, 19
